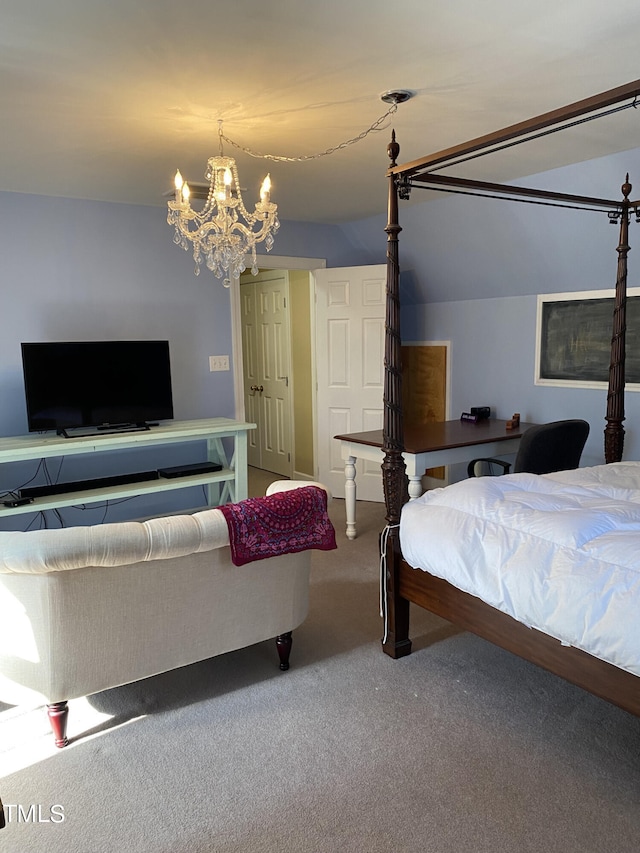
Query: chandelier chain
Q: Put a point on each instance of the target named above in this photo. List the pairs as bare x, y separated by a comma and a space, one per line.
377, 125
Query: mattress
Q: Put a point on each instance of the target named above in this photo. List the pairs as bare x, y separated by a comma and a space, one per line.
558, 552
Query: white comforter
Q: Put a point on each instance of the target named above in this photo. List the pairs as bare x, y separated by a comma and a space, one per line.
559, 552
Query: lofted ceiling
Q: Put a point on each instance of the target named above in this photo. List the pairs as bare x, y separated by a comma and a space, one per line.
104, 100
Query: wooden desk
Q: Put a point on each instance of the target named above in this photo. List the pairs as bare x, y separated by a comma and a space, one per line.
426, 446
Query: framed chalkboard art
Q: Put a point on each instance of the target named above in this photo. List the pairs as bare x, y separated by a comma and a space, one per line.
573, 339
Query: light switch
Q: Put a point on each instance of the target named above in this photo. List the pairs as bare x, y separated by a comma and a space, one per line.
218, 362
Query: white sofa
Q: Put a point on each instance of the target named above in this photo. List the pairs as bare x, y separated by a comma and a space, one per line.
84, 609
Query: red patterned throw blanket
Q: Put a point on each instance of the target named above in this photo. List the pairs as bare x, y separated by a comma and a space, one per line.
282, 523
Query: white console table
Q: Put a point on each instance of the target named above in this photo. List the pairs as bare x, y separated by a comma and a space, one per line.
229, 484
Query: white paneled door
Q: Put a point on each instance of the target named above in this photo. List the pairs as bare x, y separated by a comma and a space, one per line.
267, 369
350, 316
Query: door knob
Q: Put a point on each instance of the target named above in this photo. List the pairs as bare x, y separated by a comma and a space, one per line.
257, 388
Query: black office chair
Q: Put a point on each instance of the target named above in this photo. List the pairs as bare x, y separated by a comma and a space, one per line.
543, 449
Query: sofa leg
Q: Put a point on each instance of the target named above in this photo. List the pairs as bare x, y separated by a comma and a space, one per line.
283, 645
58, 713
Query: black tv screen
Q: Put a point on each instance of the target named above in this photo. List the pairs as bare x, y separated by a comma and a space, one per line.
96, 383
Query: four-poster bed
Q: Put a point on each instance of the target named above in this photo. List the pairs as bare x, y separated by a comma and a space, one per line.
401, 583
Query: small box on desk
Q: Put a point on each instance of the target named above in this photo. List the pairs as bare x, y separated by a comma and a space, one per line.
483, 412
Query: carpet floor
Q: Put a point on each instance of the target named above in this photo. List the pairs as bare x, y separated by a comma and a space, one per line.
458, 747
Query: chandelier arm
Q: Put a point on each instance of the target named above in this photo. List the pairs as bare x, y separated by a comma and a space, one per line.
204, 233
217, 222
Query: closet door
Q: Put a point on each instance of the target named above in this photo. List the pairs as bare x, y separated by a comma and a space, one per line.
266, 347
350, 317
350, 312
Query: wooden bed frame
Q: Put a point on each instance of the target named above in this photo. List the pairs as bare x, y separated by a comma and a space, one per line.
405, 585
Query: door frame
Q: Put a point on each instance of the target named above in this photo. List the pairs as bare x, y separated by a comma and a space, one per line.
271, 262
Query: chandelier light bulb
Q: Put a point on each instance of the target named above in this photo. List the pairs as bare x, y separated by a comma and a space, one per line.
265, 189
178, 182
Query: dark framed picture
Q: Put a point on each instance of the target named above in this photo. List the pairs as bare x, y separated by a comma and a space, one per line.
573, 340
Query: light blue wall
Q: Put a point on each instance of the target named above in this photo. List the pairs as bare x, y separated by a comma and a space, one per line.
493, 363
77, 270
90, 270
471, 269
84, 270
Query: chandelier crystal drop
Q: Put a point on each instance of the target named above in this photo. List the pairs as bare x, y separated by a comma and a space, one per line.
223, 233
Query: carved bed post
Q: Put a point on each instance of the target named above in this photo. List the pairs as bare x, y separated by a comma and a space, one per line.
614, 431
396, 642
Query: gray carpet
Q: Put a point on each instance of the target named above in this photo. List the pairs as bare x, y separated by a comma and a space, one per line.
459, 747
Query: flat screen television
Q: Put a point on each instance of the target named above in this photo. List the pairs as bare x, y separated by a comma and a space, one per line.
102, 384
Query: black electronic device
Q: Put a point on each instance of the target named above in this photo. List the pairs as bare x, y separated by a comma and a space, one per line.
12, 502
483, 412
186, 470
469, 417
85, 485
71, 384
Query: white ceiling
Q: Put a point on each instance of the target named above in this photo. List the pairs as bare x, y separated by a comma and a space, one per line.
104, 99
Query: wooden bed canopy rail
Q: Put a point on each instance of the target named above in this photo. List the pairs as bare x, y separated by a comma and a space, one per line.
402, 584
551, 122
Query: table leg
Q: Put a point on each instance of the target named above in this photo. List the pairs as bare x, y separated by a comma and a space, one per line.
415, 487
350, 495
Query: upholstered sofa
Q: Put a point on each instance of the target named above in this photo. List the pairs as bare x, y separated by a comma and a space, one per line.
84, 609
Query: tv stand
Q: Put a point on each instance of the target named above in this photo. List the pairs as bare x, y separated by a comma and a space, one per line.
230, 483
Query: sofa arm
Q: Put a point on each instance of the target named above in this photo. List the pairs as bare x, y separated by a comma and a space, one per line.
288, 485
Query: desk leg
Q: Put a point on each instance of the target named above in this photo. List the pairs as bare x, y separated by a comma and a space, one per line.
350, 495
415, 488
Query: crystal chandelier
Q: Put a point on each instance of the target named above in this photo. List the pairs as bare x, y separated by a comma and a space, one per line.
223, 232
